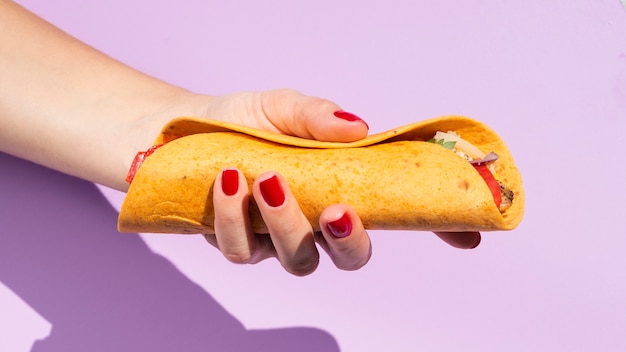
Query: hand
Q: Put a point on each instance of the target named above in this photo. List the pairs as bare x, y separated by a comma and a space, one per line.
291, 238
109, 111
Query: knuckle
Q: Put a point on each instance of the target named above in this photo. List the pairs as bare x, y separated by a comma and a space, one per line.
351, 258
238, 256
353, 265
277, 95
302, 267
327, 104
229, 220
346, 250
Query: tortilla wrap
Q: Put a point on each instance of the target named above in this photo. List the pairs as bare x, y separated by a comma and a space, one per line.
395, 180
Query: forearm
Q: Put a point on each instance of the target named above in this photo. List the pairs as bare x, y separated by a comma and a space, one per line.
67, 106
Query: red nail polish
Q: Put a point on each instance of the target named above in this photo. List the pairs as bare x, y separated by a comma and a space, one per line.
348, 116
272, 191
230, 182
341, 227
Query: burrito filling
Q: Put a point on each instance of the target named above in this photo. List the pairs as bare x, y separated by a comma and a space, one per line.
483, 163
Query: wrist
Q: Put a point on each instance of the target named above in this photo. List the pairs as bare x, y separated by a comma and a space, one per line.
142, 131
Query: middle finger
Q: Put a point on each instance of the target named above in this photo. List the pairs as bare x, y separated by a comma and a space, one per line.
289, 229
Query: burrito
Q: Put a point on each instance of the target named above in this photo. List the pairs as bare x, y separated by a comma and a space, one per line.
449, 173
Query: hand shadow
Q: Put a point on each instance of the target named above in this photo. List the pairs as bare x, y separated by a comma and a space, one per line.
105, 291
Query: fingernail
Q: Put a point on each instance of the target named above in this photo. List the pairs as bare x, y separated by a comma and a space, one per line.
348, 116
230, 182
341, 227
272, 191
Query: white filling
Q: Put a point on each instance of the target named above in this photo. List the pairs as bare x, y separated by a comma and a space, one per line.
461, 145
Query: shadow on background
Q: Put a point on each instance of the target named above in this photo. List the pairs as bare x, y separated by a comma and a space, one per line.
105, 291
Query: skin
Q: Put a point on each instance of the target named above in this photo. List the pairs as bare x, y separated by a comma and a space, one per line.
61, 101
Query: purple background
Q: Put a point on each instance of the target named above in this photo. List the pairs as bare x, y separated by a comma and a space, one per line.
549, 76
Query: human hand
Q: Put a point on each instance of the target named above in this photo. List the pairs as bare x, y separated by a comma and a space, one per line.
291, 238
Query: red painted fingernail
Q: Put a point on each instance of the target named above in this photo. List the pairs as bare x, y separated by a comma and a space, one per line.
272, 191
230, 182
348, 116
341, 227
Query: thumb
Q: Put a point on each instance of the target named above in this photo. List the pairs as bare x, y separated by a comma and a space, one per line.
304, 116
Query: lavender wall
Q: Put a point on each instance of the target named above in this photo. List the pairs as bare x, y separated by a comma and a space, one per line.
550, 76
